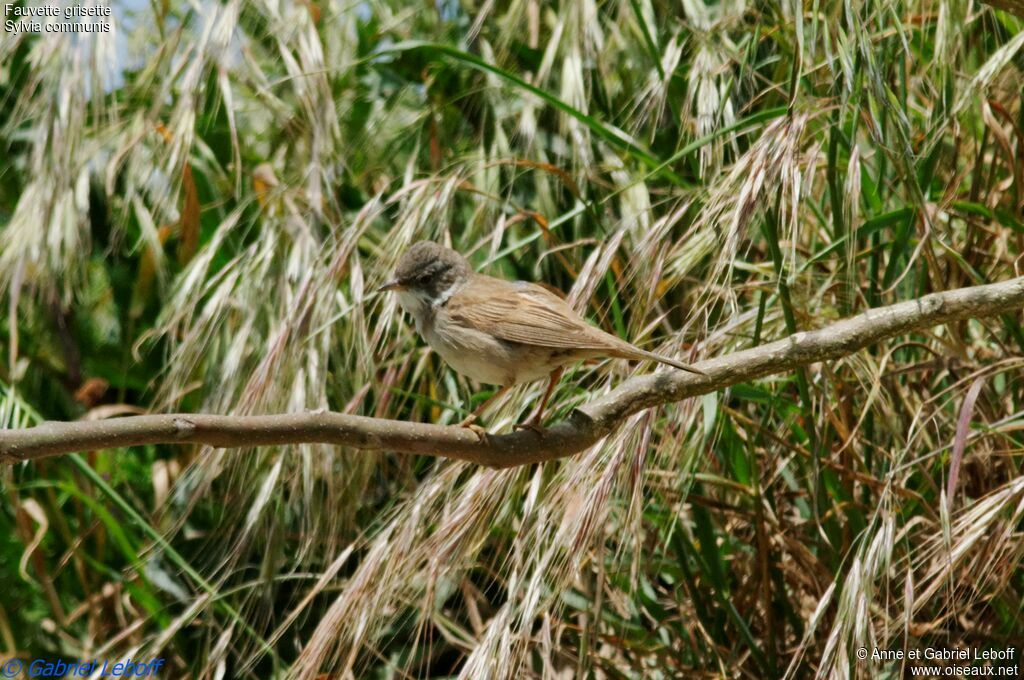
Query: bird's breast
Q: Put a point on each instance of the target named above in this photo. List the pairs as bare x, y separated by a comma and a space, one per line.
483, 357
473, 353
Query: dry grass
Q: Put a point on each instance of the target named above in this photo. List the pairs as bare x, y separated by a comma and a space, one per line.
204, 229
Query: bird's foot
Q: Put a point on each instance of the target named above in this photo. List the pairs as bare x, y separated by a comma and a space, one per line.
480, 432
531, 424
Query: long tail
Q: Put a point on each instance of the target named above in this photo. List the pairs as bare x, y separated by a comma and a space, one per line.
637, 353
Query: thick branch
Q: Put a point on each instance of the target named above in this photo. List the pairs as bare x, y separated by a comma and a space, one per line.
585, 426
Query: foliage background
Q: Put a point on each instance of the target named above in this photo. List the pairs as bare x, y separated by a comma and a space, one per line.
195, 208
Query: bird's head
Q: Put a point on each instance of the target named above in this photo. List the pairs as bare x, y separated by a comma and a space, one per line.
427, 275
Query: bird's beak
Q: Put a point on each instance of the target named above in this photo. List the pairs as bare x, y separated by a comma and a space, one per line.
391, 285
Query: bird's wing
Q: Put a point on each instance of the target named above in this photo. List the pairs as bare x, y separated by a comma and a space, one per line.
526, 313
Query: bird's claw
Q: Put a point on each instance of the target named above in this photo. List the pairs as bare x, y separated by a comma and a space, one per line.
480, 432
529, 425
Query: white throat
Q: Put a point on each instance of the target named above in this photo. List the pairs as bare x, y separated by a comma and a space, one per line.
422, 308
415, 305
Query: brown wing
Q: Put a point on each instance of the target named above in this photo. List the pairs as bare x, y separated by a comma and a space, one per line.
526, 313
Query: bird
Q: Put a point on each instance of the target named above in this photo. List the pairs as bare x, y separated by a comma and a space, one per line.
500, 332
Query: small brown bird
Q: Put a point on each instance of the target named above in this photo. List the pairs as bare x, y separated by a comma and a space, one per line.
499, 332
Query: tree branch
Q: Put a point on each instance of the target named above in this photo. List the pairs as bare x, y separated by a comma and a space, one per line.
587, 425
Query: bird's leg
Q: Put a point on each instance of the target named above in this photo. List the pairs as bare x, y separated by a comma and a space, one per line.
471, 418
534, 422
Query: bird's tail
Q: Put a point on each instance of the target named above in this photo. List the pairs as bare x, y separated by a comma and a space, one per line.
636, 353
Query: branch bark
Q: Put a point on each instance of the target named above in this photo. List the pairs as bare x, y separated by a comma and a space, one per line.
587, 425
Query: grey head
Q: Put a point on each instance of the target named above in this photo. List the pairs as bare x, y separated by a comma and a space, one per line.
426, 276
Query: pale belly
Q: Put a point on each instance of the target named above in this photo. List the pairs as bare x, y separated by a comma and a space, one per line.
488, 360
481, 356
